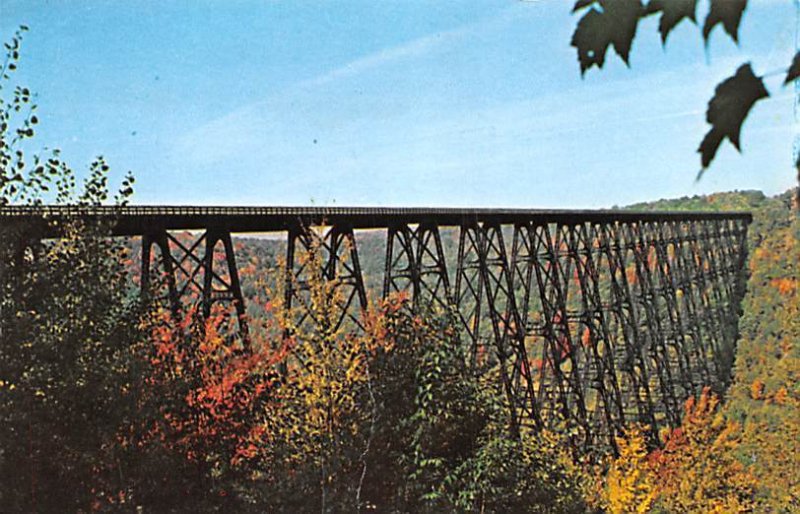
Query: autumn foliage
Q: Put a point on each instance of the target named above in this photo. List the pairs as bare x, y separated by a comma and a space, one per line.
630, 484
763, 398
695, 470
386, 415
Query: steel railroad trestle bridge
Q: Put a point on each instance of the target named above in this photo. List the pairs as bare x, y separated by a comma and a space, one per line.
595, 318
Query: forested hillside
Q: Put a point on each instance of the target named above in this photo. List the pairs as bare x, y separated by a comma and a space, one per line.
765, 395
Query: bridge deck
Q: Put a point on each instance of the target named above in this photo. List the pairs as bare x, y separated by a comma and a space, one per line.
136, 220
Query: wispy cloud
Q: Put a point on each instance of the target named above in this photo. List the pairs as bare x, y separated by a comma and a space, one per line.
414, 48
639, 126
238, 129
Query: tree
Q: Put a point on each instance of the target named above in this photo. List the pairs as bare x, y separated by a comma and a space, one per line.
65, 323
764, 397
200, 406
614, 23
695, 470
630, 486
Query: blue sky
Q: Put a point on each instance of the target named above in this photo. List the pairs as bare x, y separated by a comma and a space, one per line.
446, 103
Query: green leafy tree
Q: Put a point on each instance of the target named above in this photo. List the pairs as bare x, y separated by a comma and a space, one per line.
65, 324
442, 442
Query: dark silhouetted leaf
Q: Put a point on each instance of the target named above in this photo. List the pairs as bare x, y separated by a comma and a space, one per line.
727, 12
581, 4
794, 69
591, 39
607, 22
672, 12
733, 99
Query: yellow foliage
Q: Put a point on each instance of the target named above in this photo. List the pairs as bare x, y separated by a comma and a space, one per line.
629, 484
327, 368
697, 470
767, 365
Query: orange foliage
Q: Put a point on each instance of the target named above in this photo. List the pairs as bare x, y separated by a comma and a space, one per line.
696, 470
781, 396
786, 286
630, 275
225, 385
757, 389
586, 338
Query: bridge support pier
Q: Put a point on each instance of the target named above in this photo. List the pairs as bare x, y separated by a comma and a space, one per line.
328, 256
187, 272
415, 263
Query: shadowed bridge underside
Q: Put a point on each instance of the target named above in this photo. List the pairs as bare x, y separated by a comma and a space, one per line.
595, 319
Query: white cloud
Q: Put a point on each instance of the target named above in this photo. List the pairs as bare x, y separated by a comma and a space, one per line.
414, 48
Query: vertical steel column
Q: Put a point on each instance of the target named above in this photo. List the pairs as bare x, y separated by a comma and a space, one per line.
717, 288
292, 233
523, 257
675, 338
725, 272
415, 260
344, 273
560, 355
740, 232
469, 286
602, 342
347, 271
687, 296
401, 273
509, 335
432, 266
296, 285
231, 289
709, 320
159, 239
551, 393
